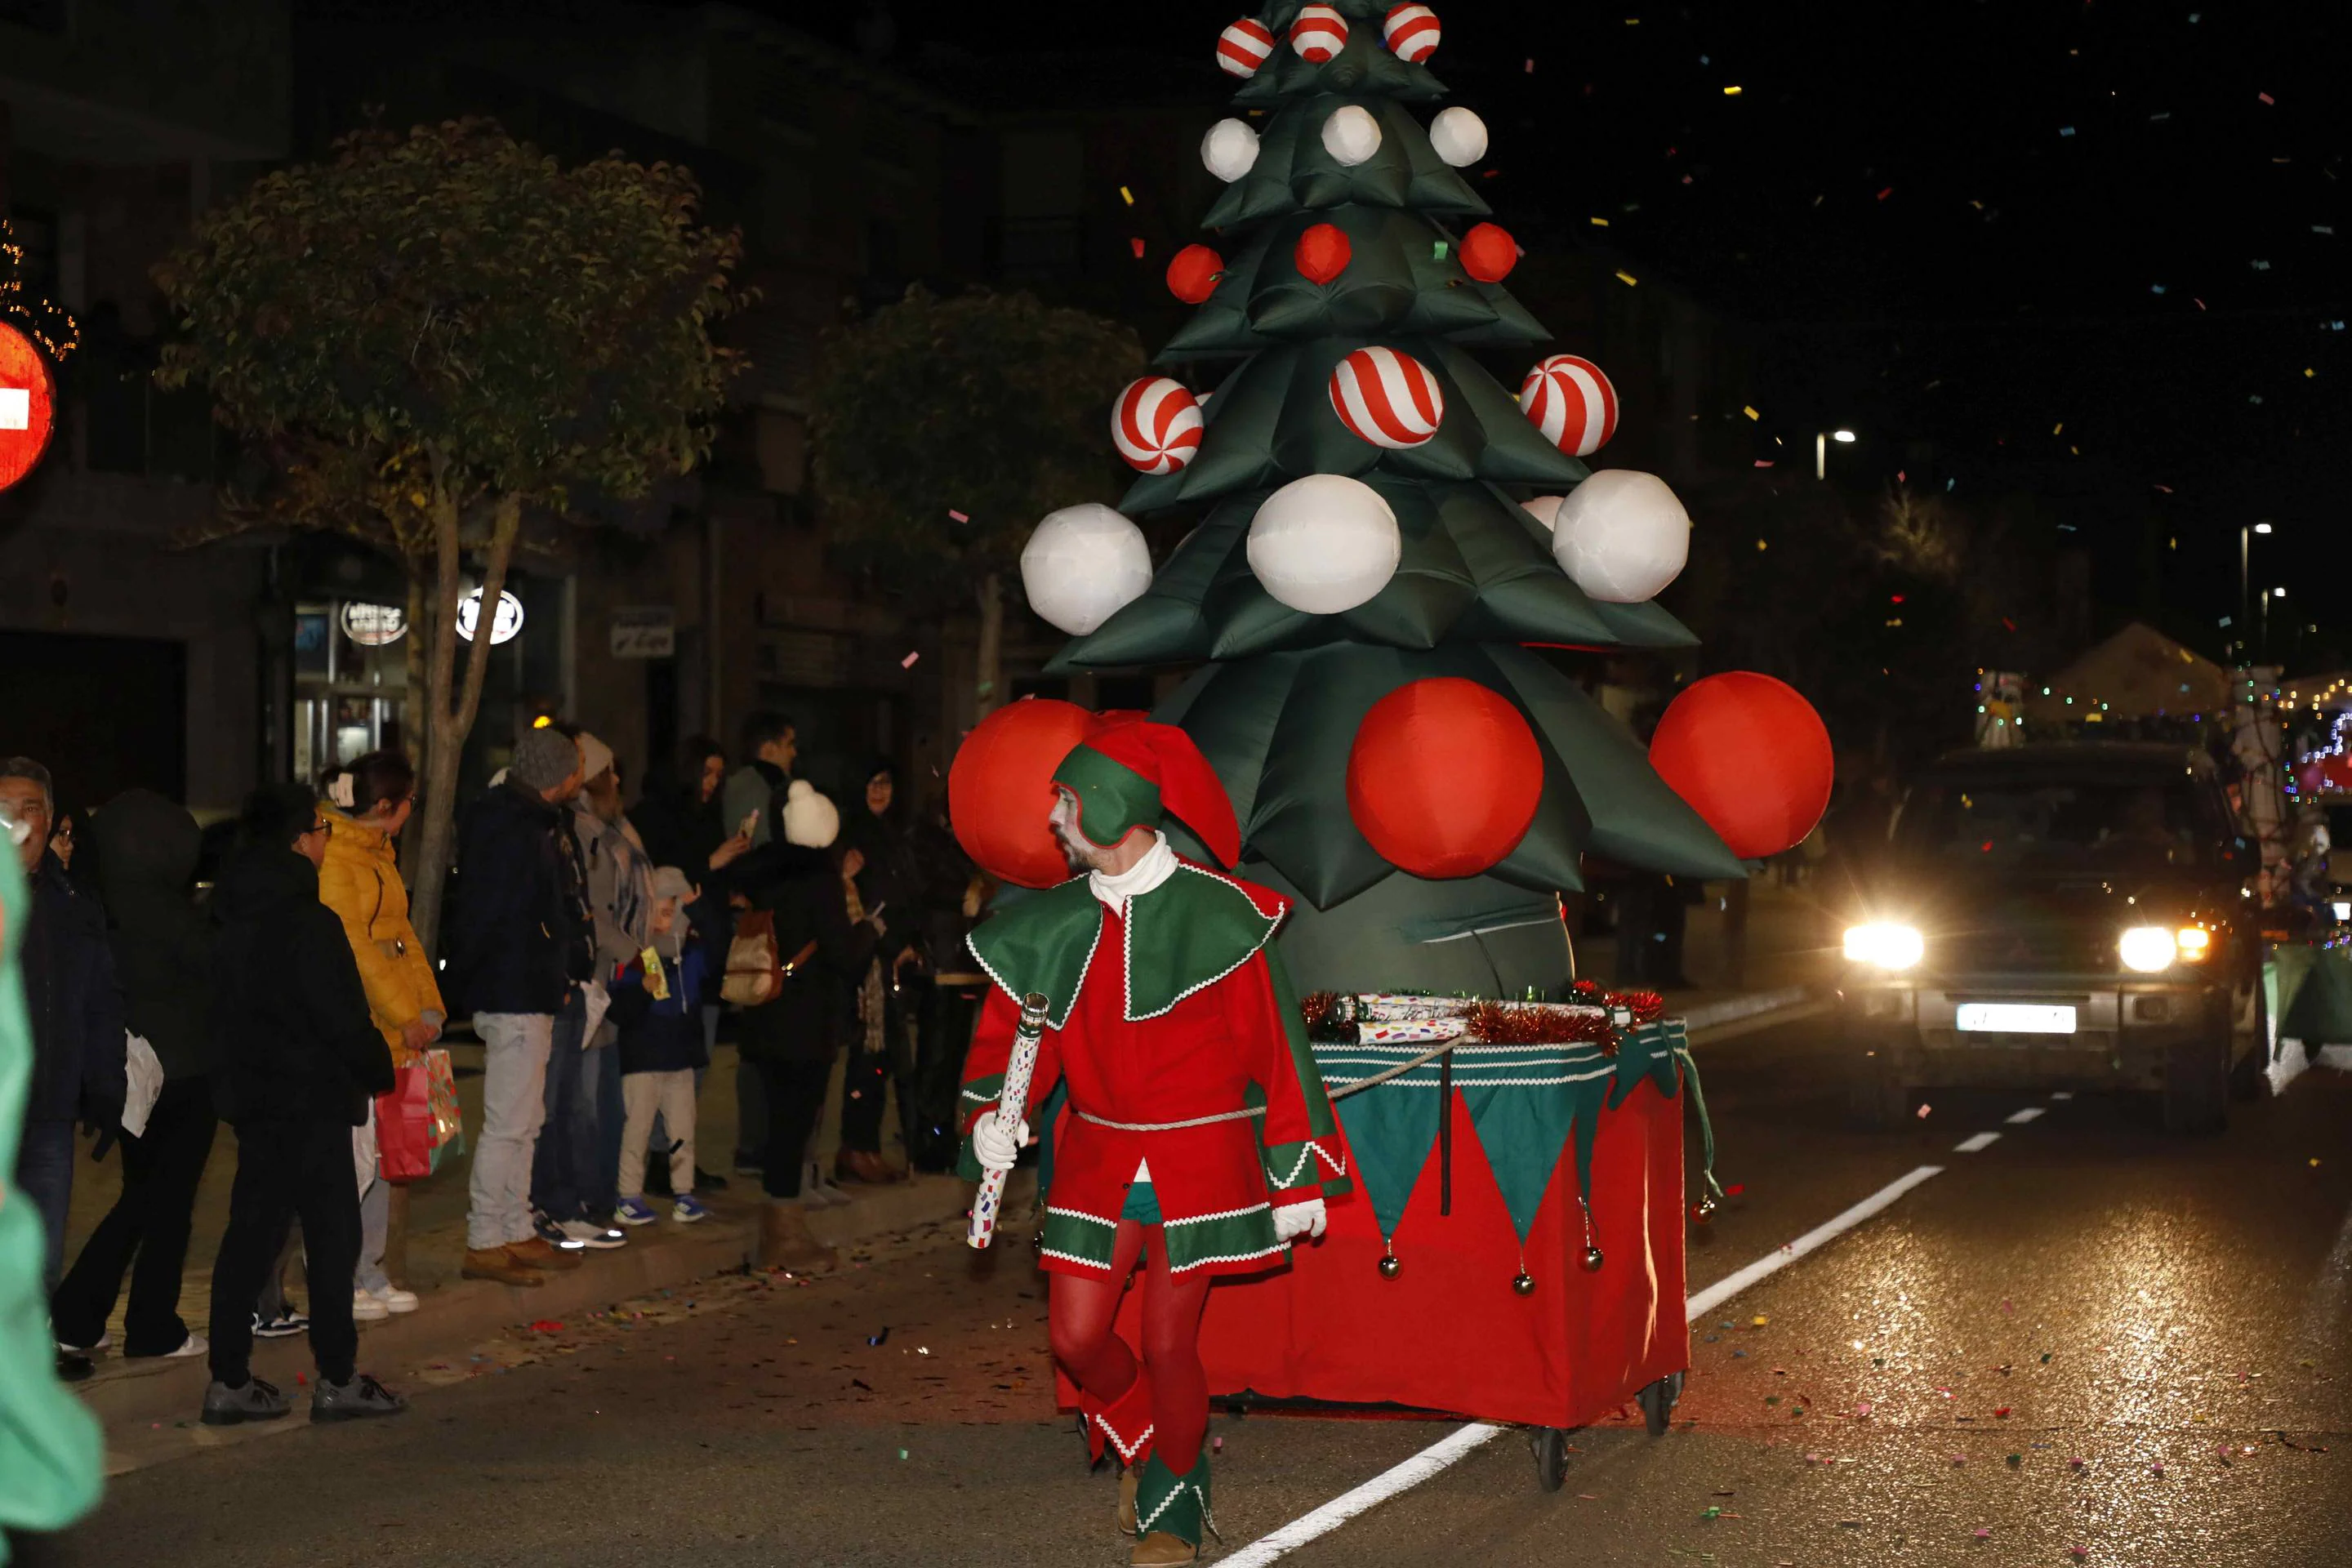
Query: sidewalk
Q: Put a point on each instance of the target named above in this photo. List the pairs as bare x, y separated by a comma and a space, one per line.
1791, 957
454, 1310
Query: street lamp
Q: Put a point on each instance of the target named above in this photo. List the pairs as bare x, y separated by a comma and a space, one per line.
2245, 610
2274, 594
1822, 440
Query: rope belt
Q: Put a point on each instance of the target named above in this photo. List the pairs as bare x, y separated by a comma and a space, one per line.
1240, 1115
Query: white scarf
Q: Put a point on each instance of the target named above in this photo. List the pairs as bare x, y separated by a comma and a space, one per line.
1159, 864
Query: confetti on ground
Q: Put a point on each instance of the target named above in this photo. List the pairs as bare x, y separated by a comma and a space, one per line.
957, 515
909, 662
1923, 1109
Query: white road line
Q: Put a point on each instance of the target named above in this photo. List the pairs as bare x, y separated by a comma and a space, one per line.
1724, 1289
2020, 1117
1451, 1449
2062, 1094
1977, 1144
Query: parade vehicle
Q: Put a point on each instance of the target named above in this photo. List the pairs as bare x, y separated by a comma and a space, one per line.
2077, 916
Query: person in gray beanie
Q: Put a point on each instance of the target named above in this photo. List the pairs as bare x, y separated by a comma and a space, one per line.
520, 945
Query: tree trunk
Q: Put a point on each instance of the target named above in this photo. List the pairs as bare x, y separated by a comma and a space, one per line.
449, 724
991, 673
413, 701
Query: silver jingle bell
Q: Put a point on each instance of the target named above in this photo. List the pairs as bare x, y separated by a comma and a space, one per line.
1525, 1284
1392, 1266
1592, 1260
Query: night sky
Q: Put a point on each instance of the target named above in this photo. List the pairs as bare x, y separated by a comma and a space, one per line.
2093, 252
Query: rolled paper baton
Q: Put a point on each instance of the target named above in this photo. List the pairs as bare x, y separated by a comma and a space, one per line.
1010, 1107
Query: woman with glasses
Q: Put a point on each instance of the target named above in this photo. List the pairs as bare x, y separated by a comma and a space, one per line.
369, 803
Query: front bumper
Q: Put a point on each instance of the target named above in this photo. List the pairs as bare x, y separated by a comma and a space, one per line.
2123, 1029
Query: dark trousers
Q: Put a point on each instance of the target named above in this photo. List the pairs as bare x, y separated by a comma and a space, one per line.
300, 1168
795, 1093
45, 1162
564, 1167
161, 1169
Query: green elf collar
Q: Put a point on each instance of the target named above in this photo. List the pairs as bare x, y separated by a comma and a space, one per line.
1184, 936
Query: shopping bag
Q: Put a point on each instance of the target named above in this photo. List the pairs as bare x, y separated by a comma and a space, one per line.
447, 1134
404, 1125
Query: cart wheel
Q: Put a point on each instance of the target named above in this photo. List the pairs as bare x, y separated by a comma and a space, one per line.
1658, 1401
1550, 1444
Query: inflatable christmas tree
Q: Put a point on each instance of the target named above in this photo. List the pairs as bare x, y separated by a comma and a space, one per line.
1386, 539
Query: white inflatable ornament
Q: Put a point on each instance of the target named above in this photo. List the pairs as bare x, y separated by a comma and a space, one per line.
1544, 510
1351, 135
1230, 149
1459, 137
1621, 535
1325, 543
1084, 564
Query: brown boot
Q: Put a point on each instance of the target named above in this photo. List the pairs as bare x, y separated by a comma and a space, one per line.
786, 1242
537, 1254
1161, 1550
494, 1264
865, 1165
1127, 1502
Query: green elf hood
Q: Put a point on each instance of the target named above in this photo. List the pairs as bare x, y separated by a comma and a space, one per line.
1128, 775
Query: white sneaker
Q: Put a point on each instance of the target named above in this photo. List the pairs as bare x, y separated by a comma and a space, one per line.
600, 1238
102, 1343
366, 1307
396, 1300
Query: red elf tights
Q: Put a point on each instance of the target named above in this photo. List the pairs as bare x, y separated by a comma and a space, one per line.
1080, 1317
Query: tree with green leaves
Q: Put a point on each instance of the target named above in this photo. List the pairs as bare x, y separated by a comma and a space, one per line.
1338, 331
438, 336
946, 427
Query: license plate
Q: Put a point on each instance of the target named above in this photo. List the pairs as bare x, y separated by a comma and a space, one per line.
2015, 1018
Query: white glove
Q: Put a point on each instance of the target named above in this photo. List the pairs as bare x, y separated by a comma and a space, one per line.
1299, 1219
992, 1146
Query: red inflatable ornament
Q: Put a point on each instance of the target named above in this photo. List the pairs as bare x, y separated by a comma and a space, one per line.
1193, 274
1445, 777
1000, 791
1750, 756
1488, 253
27, 406
1322, 253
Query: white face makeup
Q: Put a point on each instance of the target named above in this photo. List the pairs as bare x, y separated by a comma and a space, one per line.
1081, 855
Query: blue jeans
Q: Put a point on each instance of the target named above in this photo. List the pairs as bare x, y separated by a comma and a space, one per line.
45, 1162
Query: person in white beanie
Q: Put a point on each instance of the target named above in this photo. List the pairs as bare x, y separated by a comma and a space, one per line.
790, 1041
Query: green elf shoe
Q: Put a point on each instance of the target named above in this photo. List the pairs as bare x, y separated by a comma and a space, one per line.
1172, 1513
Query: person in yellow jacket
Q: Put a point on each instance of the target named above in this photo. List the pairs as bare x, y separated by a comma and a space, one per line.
368, 804
51, 1458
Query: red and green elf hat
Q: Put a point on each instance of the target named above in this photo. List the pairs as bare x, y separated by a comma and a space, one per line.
1126, 775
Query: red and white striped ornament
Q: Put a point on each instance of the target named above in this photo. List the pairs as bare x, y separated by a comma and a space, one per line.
1571, 402
1243, 47
1411, 33
1387, 398
1156, 424
1319, 34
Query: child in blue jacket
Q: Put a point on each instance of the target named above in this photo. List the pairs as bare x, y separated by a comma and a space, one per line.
657, 1006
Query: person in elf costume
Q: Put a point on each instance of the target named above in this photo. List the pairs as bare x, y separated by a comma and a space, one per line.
51, 1456
1198, 1139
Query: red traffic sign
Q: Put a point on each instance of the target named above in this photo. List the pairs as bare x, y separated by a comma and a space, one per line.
28, 405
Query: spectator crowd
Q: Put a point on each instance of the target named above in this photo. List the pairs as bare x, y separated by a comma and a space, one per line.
266, 974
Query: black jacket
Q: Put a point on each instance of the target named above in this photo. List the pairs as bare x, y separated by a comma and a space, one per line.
146, 853
680, 830
806, 1023
291, 1023
520, 934
74, 1001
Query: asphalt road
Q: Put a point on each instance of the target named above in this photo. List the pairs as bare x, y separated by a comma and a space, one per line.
2085, 1343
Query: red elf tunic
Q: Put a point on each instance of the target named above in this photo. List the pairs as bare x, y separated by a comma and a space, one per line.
1175, 1028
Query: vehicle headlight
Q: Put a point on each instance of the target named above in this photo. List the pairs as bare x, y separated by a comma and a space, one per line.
1885, 945
2194, 942
2149, 949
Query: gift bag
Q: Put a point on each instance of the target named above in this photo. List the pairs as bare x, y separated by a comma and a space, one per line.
404, 1125
447, 1134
